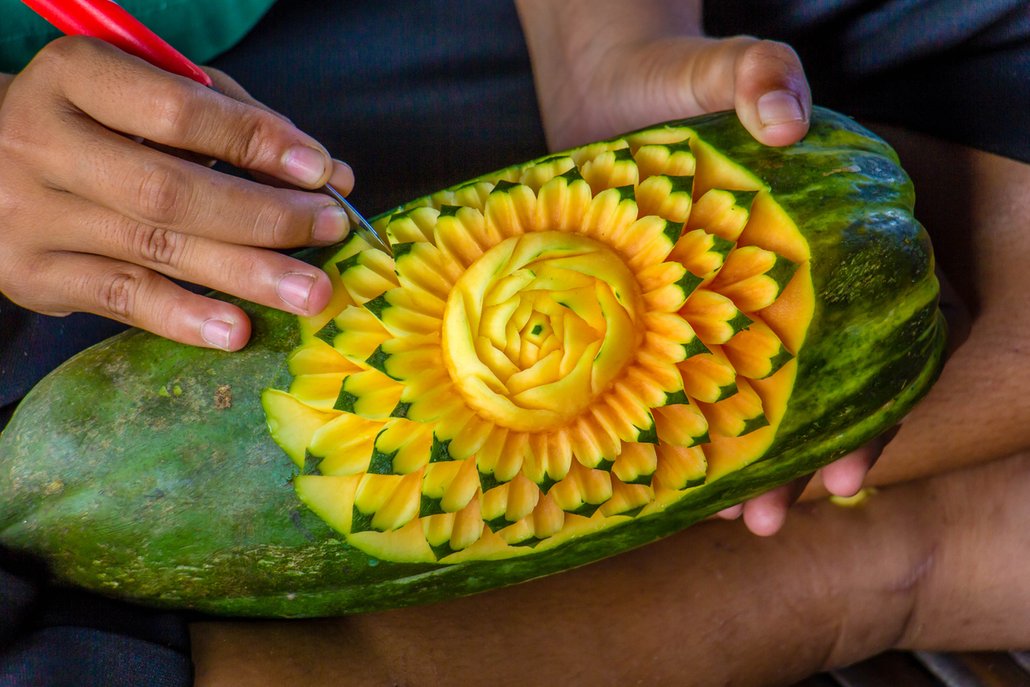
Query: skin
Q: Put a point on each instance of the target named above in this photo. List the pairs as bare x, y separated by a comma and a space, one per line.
648, 62
87, 135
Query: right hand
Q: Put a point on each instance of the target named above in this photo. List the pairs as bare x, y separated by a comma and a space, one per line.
103, 201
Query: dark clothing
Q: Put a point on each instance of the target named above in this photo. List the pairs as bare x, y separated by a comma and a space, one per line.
64, 638
954, 69
414, 95
417, 95
199, 29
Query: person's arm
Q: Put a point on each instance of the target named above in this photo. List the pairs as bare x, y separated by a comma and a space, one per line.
85, 135
921, 566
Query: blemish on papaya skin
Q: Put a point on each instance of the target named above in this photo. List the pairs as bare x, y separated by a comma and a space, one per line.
850, 169
54, 488
223, 397
170, 390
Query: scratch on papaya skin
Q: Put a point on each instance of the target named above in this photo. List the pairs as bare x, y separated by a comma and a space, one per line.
850, 169
223, 397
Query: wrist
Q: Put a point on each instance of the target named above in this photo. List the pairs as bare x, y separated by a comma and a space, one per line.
579, 48
564, 36
610, 20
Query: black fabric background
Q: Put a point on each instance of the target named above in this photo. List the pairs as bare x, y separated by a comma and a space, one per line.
955, 69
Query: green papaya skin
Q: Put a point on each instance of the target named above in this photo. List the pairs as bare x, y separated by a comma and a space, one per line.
144, 469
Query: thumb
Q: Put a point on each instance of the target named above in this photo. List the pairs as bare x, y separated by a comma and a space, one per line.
771, 94
762, 80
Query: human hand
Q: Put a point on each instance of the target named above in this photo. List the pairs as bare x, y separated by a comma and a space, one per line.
106, 195
605, 66
766, 513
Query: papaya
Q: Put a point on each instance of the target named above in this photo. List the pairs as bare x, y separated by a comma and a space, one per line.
559, 361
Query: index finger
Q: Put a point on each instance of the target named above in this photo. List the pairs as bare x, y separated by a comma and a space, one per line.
133, 97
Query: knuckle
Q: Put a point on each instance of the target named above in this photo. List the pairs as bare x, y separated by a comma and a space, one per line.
766, 52
26, 130
65, 56
61, 51
252, 145
175, 113
17, 140
157, 245
281, 226
239, 273
162, 195
118, 292
12, 204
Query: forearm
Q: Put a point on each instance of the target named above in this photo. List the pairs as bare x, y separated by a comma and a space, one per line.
920, 565
931, 564
713, 605
973, 590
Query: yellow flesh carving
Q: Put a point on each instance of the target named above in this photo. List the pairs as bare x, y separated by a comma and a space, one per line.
551, 352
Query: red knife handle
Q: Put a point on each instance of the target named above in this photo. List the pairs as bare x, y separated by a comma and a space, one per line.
107, 21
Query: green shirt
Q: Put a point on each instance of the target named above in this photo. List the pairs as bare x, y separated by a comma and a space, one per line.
200, 29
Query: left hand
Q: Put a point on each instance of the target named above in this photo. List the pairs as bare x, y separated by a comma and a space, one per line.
606, 66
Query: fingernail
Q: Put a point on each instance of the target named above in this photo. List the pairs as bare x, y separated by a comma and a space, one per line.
295, 289
343, 176
779, 107
731, 513
331, 224
304, 164
216, 333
